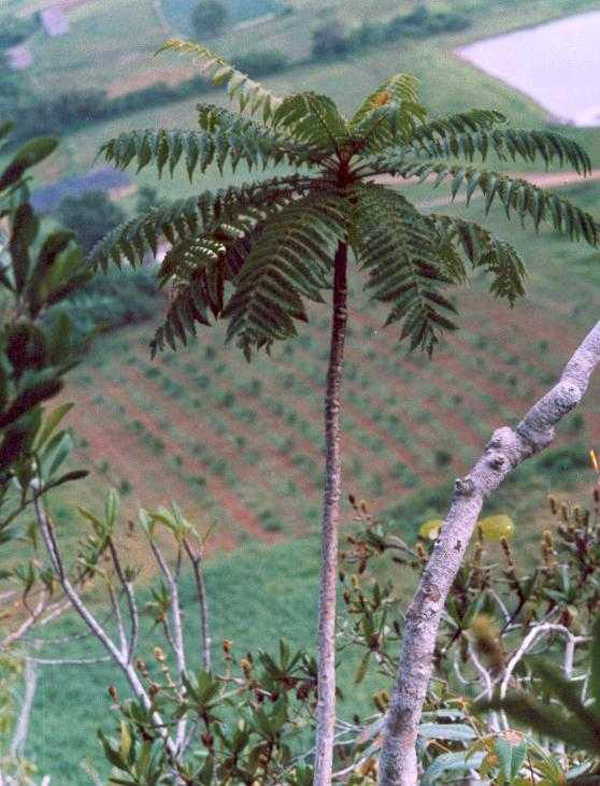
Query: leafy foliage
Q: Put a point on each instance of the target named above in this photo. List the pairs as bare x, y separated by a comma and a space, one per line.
515, 194
507, 144
288, 260
407, 263
248, 93
254, 261
36, 342
224, 136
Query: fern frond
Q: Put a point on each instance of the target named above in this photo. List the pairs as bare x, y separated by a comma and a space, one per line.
400, 88
483, 249
290, 260
506, 143
388, 116
311, 119
515, 194
207, 263
247, 92
461, 123
187, 218
224, 136
400, 249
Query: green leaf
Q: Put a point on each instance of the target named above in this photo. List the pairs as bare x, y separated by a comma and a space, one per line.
510, 757
50, 423
24, 231
362, 669
30, 154
450, 762
447, 731
29, 398
111, 508
56, 452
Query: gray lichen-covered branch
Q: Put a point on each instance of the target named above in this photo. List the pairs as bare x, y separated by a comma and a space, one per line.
507, 448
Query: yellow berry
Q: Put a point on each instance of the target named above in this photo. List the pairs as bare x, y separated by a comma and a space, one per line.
431, 529
497, 527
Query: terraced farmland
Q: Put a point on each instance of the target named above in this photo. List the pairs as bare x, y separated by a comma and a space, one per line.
241, 445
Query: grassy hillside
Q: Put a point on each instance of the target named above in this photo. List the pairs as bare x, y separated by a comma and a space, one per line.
93, 57
240, 446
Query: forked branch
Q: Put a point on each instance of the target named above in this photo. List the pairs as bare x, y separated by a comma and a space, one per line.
504, 452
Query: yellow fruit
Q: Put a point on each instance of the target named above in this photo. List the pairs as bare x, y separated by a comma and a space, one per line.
497, 527
431, 529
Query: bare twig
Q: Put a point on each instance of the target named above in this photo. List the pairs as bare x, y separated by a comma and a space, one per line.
528, 642
92, 623
177, 640
195, 557
115, 603
22, 728
68, 661
175, 607
131, 605
507, 448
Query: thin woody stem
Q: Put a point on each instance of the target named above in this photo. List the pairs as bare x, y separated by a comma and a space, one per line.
329, 534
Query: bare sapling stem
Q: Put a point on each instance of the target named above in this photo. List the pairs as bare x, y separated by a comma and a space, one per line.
329, 532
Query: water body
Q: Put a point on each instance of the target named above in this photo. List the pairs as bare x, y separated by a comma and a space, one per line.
557, 64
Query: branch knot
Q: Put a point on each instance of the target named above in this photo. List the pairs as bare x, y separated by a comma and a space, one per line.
464, 487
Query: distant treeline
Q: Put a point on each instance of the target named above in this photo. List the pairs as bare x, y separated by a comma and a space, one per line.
63, 112
330, 40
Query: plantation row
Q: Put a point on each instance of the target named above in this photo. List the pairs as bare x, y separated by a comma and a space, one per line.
240, 446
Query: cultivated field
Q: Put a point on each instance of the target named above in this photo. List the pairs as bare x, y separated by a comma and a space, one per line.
240, 446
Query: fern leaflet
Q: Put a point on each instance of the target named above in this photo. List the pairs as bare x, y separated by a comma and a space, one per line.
289, 260
248, 93
399, 248
515, 194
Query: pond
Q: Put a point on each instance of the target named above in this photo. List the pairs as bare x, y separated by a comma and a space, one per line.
557, 64
179, 12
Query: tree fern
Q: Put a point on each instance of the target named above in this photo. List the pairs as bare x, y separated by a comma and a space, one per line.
254, 255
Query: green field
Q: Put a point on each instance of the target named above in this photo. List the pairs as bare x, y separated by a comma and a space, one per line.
90, 57
222, 437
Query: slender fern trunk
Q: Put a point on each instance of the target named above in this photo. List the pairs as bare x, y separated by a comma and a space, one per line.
329, 536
